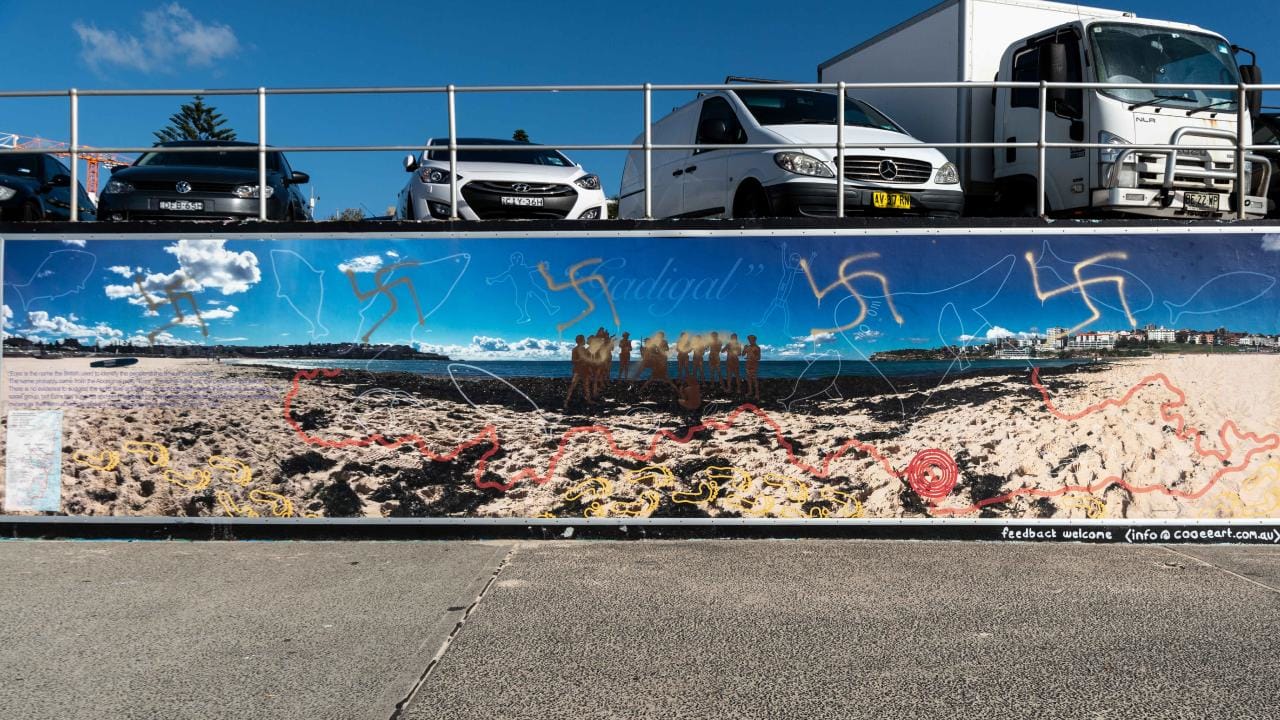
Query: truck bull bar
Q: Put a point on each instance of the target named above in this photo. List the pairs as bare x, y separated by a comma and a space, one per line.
1172, 172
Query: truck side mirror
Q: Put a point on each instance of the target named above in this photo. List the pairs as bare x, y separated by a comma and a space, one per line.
1252, 75
1053, 69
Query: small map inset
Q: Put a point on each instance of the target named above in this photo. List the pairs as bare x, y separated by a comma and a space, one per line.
33, 472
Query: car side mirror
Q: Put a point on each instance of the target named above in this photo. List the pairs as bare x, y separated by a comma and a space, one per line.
60, 180
300, 178
410, 163
117, 168
714, 131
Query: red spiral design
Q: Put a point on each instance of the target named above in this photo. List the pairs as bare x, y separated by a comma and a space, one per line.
932, 474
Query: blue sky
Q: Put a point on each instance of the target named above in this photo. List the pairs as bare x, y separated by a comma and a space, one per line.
130, 44
484, 299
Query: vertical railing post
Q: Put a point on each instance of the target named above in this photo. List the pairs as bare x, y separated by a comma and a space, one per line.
840, 150
262, 153
1040, 147
75, 154
453, 154
1242, 144
648, 151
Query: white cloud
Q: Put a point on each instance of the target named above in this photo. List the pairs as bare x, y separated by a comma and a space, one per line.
210, 265
483, 347
125, 271
164, 338
170, 36
1271, 242
393, 254
42, 323
74, 243
362, 264
230, 339
8, 317
998, 333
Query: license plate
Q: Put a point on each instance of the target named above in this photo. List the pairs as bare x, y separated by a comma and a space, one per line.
524, 201
1200, 201
181, 205
893, 201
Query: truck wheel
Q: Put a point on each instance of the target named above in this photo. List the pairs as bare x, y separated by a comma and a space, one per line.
31, 211
751, 202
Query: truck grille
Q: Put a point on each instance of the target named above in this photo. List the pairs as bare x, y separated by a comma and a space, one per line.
887, 170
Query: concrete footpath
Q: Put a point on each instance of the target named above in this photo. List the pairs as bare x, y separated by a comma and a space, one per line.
643, 629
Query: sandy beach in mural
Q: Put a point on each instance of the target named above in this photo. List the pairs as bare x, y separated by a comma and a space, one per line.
1161, 437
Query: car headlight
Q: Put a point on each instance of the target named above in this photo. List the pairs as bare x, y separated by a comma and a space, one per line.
117, 187
7, 192
251, 191
1106, 138
434, 176
588, 182
947, 175
802, 164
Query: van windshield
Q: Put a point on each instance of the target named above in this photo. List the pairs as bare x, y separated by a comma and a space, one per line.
808, 107
1142, 54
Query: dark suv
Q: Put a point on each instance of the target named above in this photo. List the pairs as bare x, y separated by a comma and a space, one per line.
38, 187
1266, 131
203, 185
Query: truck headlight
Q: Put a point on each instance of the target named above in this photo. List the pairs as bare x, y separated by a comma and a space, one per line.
117, 187
433, 176
802, 164
7, 192
1106, 138
251, 191
588, 182
947, 175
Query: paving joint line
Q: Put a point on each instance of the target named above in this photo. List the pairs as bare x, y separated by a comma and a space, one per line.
403, 705
1222, 569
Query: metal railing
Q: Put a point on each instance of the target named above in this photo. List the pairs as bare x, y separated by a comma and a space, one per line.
1242, 150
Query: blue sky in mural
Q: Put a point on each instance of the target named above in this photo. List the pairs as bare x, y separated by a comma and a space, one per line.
486, 299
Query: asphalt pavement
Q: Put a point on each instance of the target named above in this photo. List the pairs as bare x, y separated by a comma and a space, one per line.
639, 629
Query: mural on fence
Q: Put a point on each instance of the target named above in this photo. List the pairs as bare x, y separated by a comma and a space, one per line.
1019, 376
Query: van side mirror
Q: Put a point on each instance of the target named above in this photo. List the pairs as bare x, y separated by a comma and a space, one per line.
714, 131
410, 163
1252, 75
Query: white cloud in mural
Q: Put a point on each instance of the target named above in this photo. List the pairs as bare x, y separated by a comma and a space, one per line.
362, 264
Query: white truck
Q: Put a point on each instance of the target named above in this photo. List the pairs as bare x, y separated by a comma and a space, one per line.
1033, 41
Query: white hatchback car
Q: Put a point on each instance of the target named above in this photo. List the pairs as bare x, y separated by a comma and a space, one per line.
533, 182
795, 179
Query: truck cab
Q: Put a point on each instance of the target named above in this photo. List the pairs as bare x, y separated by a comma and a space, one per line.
1164, 183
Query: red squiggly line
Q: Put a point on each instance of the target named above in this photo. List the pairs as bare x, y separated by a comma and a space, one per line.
1167, 413
490, 434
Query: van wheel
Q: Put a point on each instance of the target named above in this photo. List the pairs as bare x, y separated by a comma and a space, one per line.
31, 211
751, 202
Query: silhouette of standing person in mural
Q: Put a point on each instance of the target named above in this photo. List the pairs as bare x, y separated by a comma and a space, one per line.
596, 362
526, 284
698, 347
655, 354
578, 359
624, 356
714, 348
683, 345
752, 353
690, 401
733, 350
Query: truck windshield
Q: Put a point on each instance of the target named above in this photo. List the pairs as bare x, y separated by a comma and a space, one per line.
1140, 54
807, 107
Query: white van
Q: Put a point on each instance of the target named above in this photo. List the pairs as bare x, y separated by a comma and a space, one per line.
797, 181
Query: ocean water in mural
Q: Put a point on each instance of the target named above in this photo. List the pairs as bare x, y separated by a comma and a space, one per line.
818, 376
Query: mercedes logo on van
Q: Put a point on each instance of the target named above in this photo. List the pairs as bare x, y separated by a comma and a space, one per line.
520, 187
183, 187
888, 169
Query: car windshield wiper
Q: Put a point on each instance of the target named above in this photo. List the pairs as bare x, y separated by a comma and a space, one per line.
1193, 111
1156, 101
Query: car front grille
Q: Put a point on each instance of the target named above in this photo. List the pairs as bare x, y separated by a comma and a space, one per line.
516, 188
166, 186
902, 171
485, 199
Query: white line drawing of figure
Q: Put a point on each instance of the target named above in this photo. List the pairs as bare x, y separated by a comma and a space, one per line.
61, 273
781, 299
526, 285
308, 289
1236, 283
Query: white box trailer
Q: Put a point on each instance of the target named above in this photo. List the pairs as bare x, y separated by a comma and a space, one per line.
983, 40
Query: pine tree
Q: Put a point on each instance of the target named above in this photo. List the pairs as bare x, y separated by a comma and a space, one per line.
196, 121
520, 135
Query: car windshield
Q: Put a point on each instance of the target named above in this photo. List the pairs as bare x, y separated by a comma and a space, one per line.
22, 165
806, 107
1140, 54
224, 159
526, 154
